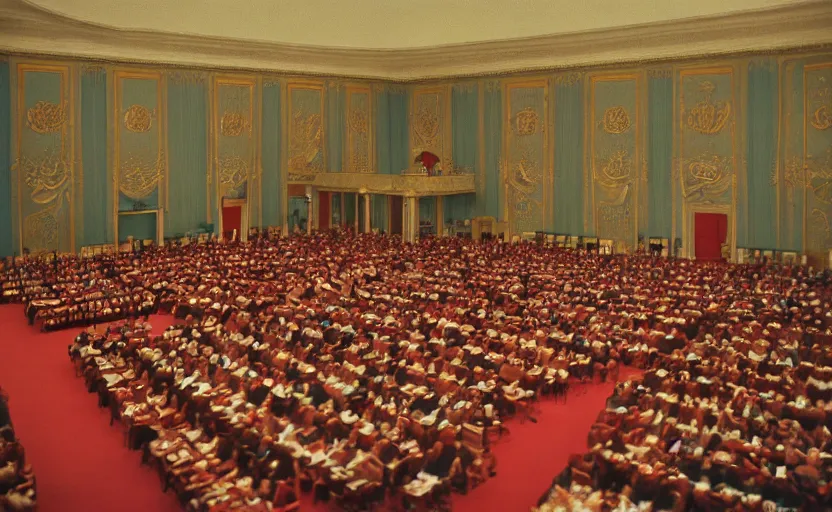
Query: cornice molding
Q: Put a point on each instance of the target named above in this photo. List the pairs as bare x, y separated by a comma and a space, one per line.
29, 29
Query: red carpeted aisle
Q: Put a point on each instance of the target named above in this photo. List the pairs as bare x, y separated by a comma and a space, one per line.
82, 464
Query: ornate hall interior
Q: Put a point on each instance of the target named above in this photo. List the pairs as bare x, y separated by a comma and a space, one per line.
544, 223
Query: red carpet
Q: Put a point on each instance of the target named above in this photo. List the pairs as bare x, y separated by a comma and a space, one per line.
82, 464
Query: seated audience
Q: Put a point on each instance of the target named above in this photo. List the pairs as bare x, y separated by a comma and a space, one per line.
17, 481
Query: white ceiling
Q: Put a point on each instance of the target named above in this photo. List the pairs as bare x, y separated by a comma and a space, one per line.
387, 24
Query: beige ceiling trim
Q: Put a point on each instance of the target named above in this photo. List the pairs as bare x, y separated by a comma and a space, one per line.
26, 28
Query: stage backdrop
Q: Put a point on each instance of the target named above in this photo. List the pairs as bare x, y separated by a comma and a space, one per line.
627, 154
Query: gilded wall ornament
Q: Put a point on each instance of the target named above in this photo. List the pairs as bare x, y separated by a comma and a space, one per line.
821, 229
493, 86
660, 73
525, 174
92, 69
46, 117
614, 215
306, 143
358, 121
527, 122
707, 177
428, 121
821, 118
819, 177
138, 178
568, 79
233, 124
41, 230
615, 170
138, 119
184, 77
46, 177
708, 117
232, 171
795, 173
616, 120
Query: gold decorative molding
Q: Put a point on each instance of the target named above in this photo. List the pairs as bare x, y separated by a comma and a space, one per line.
138, 119
46, 117
35, 30
44, 217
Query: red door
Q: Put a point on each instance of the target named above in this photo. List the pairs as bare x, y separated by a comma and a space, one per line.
324, 210
231, 219
710, 232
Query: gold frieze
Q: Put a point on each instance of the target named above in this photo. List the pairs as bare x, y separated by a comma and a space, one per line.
46, 117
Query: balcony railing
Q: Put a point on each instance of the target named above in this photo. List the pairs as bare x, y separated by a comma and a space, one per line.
411, 184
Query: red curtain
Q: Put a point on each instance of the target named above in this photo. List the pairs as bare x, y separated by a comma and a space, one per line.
711, 231
395, 215
231, 220
324, 210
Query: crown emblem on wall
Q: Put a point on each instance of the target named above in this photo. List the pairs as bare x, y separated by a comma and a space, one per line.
46, 117
708, 117
705, 171
232, 171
